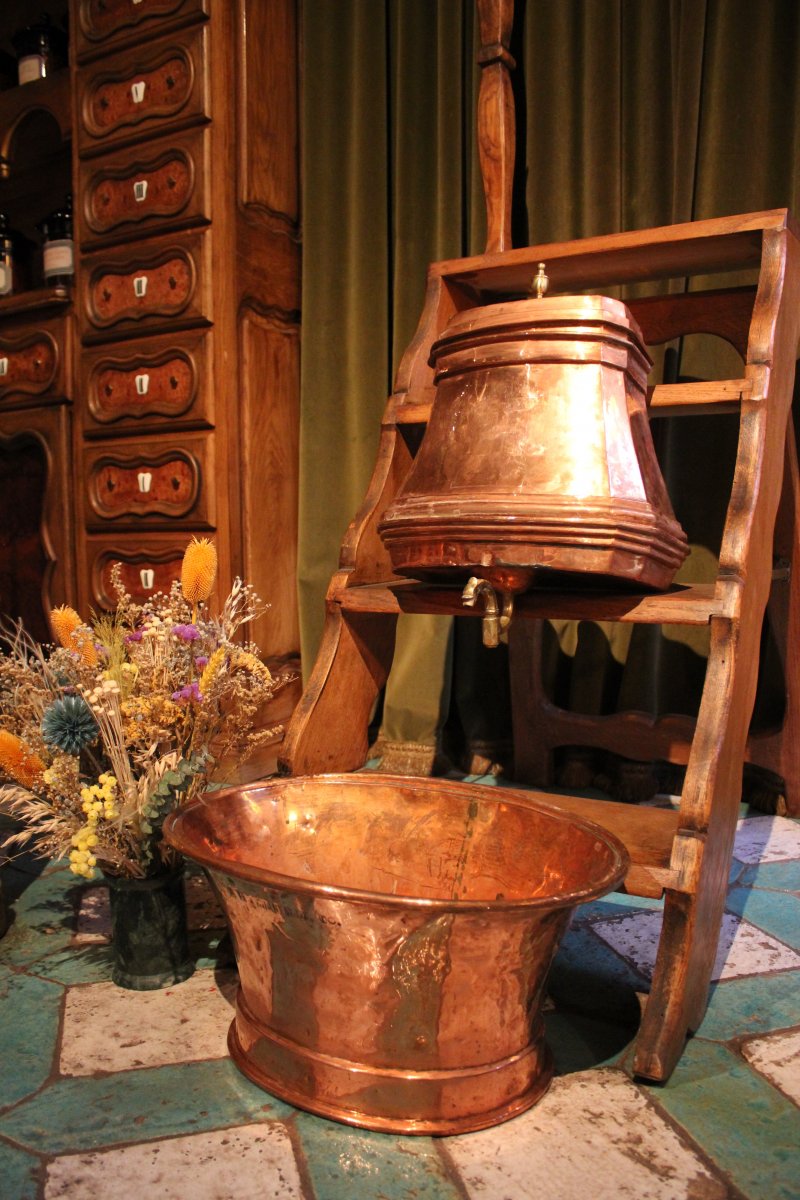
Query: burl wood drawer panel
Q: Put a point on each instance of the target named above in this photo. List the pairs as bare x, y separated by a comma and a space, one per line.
32, 362
143, 91
102, 25
147, 564
146, 188
131, 388
151, 481
160, 282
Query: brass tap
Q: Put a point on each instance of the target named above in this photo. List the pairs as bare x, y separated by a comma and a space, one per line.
495, 622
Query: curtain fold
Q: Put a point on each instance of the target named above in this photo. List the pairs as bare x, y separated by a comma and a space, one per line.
634, 113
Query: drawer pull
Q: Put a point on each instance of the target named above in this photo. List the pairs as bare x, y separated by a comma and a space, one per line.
138, 90
148, 577
140, 286
145, 479
140, 190
142, 384
3, 366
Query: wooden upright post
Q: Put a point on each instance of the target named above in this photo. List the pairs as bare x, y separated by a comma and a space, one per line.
496, 119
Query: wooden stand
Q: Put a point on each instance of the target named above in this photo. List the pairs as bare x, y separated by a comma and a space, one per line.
685, 854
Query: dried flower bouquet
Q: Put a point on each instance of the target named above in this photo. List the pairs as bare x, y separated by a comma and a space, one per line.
102, 735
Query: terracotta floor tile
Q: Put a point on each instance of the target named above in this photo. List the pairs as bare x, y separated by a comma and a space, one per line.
778, 1058
107, 1028
259, 1158
594, 1136
743, 949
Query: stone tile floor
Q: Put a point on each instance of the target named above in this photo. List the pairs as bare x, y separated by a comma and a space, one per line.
103, 1091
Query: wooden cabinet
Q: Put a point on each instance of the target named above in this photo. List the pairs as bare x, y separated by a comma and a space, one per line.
157, 397
187, 295
37, 360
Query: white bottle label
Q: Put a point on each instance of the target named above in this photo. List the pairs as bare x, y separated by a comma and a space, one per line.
6, 279
30, 67
59, 257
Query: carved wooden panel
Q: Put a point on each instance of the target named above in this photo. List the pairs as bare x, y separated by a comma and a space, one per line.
162, 377
139, 189
267, 109
147, 566
156, 479
29, 363
101, 24
269, 456
144, 90
154, 283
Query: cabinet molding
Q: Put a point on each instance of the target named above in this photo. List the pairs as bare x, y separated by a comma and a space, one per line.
145, 568
159, 479
102, 24
29, 364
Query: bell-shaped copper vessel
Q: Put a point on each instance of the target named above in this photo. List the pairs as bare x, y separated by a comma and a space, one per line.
538, 455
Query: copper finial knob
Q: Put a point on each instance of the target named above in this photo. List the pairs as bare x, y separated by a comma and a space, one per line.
540, 282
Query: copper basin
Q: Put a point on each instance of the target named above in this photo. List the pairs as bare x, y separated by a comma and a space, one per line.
393, 938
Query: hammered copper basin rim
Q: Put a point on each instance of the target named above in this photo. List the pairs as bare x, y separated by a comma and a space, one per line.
220, 828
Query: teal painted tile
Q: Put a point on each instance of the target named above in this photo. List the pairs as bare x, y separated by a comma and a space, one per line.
782, 876
136, 1106
80, 964
777, 913
44, 917
755, 1004
747, 1128
344, 1163
29, 1022
579, 1042
614, 905
588, 976
20, 1173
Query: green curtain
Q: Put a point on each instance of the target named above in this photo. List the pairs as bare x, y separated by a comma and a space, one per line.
631, 113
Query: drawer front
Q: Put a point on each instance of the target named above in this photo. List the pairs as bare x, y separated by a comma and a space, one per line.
144, 189
161, 282
144, 91
163, 378
146, 565
103, 24
159, 480
30, 365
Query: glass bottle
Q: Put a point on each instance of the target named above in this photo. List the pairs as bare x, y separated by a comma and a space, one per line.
40, 48
58, 249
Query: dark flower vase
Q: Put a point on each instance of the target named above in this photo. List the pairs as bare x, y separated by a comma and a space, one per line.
149, 934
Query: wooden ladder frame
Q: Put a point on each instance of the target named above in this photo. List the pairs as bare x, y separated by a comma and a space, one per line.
685, 854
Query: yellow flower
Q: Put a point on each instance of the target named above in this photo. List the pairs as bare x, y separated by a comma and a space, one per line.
212, 668
199, 570
19, 761
73, 634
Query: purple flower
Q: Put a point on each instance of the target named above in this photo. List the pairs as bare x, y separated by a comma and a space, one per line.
187, 633
136, 636
201, 661
189, 692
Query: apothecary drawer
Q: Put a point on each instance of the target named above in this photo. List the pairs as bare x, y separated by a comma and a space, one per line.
159, 185
157, 283
143, 91
101, 25
147, 565
159, 480
129, 388
32, 362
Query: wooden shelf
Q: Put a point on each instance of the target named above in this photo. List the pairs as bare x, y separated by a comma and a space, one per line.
681, 605
35, 300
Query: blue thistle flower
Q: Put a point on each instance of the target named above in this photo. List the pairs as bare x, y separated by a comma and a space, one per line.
68, 725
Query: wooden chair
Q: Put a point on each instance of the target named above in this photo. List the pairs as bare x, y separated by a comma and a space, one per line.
683, 855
